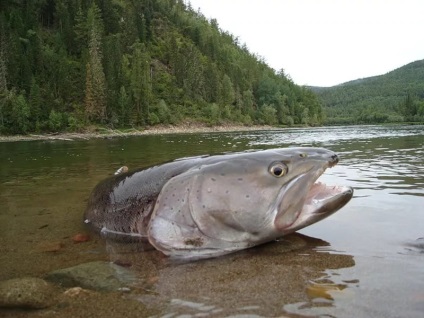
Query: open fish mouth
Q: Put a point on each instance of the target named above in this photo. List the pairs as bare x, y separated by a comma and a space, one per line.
317, 200
322, 198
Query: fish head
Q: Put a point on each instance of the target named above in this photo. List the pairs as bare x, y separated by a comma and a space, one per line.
231, 202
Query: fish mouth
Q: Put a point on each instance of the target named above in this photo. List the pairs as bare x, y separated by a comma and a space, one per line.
325, 200
316, 201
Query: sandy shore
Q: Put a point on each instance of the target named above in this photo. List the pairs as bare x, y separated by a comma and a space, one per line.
114, 133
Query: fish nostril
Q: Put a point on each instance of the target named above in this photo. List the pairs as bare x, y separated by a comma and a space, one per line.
334, 160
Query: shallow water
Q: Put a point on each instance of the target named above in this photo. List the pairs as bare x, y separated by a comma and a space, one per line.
366, 260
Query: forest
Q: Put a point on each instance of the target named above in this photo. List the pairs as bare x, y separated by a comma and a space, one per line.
397, 96
70, 65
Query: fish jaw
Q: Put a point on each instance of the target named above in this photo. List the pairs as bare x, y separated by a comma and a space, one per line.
317, 201
322, 201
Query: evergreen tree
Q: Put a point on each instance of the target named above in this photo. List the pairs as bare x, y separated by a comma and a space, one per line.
140, 82
3, 73
95, 78
20, 114
123, 107
36, 104
227, 91
247, 103
3, 70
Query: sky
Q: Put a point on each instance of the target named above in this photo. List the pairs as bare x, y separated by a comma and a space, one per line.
325, 42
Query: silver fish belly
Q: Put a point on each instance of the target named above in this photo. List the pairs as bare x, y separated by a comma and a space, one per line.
209, 206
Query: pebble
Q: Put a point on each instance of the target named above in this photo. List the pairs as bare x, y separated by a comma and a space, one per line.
80, 238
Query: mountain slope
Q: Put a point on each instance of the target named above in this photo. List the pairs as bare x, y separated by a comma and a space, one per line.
395, 96
68, 64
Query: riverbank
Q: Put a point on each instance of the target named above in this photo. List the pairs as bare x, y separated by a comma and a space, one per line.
116, 133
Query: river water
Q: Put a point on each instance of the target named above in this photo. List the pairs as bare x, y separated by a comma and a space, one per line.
367, 260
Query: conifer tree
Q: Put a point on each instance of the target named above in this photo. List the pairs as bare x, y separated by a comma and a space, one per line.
140, 82
3, 76
95, 78
3, 70
35, 103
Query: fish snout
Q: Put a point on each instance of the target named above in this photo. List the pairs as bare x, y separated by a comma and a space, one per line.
334, 159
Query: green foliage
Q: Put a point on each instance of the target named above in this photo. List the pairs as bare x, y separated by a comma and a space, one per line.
213, 114
163, 112
268, 115
20, 114
134, 63
393, 97
140, 83
95, 94
57, 121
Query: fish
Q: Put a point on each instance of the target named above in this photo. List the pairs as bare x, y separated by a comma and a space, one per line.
208, 206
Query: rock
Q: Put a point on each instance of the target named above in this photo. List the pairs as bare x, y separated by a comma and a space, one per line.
80, 238
100, 276
27, 292
76, 291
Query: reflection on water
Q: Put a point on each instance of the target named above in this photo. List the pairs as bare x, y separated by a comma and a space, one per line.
256, 281
366, 260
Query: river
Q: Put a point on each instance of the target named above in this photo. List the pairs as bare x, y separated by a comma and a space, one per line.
367, 260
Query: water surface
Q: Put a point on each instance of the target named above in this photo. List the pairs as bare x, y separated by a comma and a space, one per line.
366, 260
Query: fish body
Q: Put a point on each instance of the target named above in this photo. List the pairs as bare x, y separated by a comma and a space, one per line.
212, 205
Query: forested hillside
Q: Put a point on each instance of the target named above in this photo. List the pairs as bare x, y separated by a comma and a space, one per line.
397, 96
69, 64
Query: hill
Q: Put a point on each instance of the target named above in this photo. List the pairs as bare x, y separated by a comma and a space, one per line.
69, 64
394, 97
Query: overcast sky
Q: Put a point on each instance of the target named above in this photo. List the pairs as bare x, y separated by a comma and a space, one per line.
325, 42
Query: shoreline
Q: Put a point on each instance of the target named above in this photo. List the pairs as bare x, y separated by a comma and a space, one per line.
115, 133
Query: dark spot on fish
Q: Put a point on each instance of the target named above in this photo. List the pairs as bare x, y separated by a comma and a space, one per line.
194, 241
213, 179
240, 179
204, 206
222, 174
247, 196
227, 191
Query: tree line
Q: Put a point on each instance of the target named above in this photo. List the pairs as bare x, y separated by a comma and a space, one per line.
69, 64
397, 96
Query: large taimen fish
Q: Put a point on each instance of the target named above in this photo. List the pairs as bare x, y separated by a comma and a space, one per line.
213, 205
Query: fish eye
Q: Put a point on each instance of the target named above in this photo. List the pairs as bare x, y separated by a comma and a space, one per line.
278, 169
303, 155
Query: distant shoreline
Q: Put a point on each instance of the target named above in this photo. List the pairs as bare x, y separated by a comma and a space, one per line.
116, 133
